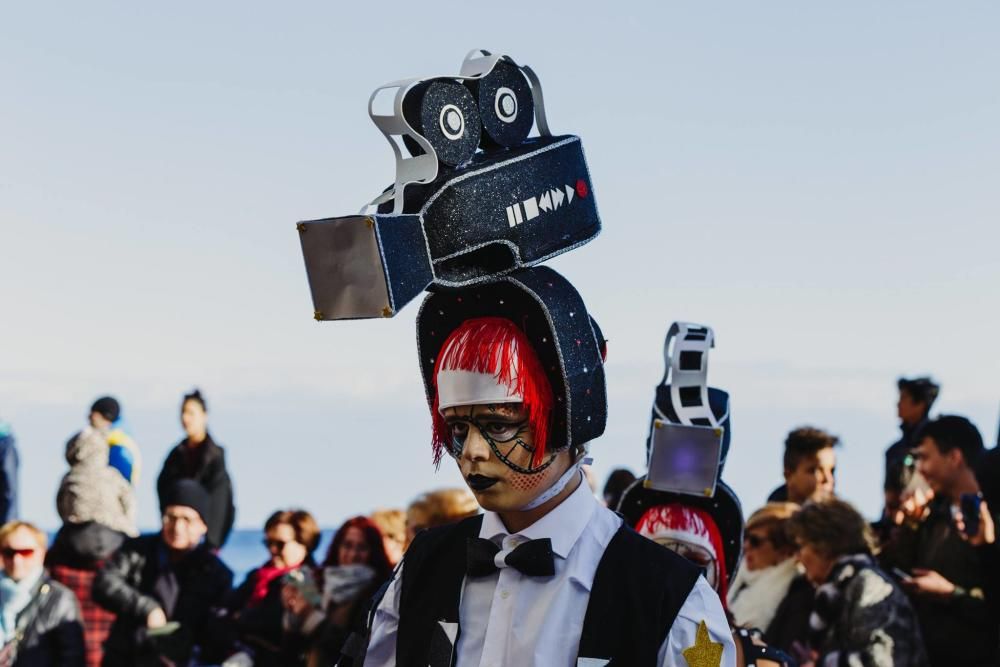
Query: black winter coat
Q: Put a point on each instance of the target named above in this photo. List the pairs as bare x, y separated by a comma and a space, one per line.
258, 627
961, 629
136, 581
54, 638
205, 464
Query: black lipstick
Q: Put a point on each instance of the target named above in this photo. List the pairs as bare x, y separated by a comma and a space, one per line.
480, 483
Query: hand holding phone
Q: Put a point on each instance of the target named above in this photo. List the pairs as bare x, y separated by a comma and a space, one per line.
969, 506
902, 575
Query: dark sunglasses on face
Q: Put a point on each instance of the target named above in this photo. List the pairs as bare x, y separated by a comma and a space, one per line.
23, 553
754, 541
274, 545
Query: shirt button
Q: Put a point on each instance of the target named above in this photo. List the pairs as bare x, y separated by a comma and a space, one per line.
504, 594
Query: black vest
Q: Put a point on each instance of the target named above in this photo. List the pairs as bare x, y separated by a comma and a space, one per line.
639, 587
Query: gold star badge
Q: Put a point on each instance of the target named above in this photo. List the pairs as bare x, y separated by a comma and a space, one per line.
705, 652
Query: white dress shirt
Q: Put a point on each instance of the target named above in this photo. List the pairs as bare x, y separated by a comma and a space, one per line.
509, 619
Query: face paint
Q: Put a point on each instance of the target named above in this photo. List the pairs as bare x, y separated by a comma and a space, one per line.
505, 438
494, 447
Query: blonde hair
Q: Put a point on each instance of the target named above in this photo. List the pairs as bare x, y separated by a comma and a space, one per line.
11, 526
772, 518
392, 523
437, 508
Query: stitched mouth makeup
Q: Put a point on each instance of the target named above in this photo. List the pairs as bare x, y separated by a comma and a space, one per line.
480, 482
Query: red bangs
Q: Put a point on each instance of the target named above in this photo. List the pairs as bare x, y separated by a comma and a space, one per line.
496, 346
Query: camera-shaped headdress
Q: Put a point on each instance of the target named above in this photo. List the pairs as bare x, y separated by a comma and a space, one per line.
474, 197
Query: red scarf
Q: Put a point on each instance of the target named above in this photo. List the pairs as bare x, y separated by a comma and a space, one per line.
262, 582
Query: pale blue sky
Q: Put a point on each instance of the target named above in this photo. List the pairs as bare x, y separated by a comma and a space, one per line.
817, 181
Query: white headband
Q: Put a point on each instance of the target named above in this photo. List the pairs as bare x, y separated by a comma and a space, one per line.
457, 388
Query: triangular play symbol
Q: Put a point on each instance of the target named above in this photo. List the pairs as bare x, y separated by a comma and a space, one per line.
557, 198
545, 201
569, 194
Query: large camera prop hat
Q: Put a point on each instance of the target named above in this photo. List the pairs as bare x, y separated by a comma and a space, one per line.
474, 197
476, 204
682, 500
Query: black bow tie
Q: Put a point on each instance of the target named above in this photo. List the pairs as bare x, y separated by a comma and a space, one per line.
533, 558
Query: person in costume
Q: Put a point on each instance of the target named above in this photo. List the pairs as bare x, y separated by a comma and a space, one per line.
547, 575
681, 503
513, 369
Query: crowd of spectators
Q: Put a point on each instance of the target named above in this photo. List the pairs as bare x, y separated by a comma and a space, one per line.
920, 586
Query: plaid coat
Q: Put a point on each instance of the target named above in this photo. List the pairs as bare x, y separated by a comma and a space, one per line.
96, 620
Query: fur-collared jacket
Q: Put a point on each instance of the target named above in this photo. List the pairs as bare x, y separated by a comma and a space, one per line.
92, 490
861, 617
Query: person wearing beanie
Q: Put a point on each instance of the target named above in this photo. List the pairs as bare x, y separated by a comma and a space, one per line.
123, 453
166, 588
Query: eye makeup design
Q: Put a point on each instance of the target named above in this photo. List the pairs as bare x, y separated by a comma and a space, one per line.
503, 435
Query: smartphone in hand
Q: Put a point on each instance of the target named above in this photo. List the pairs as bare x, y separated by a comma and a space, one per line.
969, 506
902, 575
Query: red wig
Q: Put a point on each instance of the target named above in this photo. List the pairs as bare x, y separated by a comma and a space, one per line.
691, 525
497, 346
378, 560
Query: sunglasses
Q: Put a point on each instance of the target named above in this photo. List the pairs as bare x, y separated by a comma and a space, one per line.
754, 541
23, 553
275, 545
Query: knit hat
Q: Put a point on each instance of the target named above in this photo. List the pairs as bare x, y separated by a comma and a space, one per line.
107, 407
188, 493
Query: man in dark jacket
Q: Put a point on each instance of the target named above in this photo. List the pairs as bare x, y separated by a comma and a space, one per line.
166, 588
39, 618
948, 579
916, 396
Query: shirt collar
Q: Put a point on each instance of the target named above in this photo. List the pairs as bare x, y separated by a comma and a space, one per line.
563, 525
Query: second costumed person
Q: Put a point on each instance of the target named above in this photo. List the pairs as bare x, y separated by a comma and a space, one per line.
513, 367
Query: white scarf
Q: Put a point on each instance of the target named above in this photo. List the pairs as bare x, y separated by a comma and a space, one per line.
754, 596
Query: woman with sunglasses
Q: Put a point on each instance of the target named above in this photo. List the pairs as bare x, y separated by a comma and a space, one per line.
769, 593
39, 618
290, 537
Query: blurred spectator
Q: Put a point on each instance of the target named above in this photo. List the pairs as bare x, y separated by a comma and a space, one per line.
93, 492
8, 474
166, 589
97, 507
123, 453
197, 457
619, 480
916, 397
860, 616
291, 537
946, 576
810, 464
769, 593
355, 567
39, 618
392, 524
438, 508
